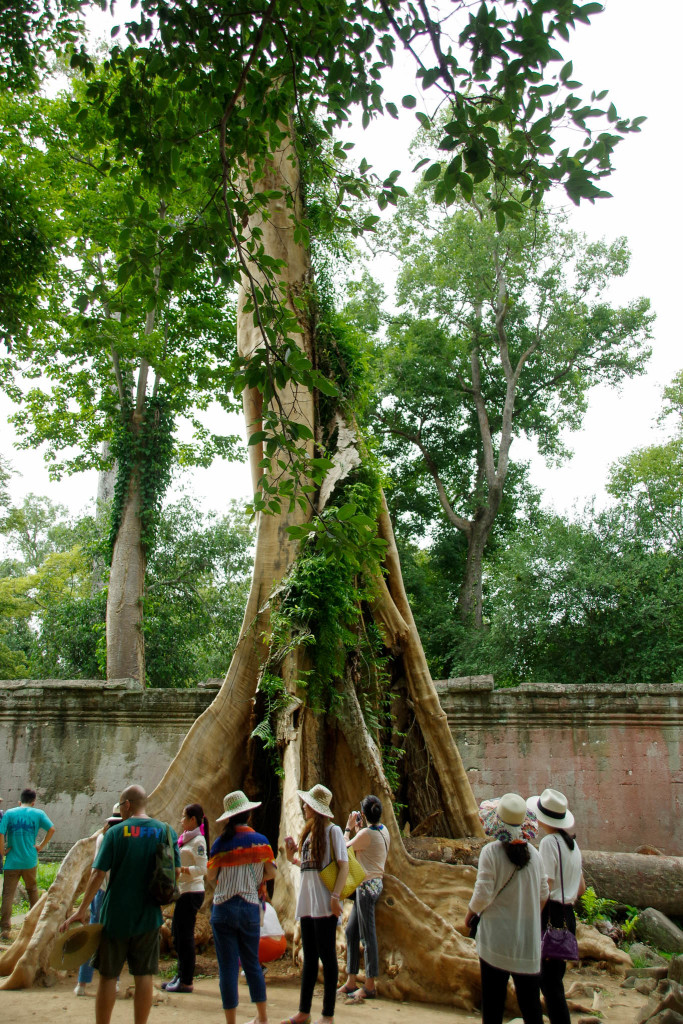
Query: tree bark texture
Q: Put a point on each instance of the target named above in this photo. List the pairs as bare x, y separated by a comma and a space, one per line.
423, 956
125, 641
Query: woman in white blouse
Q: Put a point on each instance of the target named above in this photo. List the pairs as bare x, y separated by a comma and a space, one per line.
193, 843
509, 893
561, 858
318, 910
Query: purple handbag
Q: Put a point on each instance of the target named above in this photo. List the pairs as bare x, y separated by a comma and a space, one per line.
559, 943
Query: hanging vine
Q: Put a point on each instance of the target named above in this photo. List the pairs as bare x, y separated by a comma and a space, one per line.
145, 448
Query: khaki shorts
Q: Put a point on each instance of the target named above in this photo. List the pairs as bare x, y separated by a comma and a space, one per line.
141, 952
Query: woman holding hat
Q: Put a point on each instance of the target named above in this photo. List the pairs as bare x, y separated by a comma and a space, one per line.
509, 893
241, 860
318, 910
561, 859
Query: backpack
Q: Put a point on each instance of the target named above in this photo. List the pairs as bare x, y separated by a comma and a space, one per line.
162, 886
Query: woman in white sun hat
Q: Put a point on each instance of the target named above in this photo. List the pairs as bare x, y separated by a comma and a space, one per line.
241, 861
318, 910
509, 893
561, 860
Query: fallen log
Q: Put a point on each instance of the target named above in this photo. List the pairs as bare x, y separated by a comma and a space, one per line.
637, 879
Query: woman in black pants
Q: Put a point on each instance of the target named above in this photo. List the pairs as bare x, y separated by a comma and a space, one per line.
561, 859
509, 894
318, 910
193, 842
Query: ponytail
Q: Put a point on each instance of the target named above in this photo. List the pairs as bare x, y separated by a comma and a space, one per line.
569, 839
518, 854
229, 829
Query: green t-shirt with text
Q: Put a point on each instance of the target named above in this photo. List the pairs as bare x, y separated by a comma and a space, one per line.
128, 852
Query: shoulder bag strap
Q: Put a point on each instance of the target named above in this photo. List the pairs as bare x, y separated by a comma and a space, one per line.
559, 853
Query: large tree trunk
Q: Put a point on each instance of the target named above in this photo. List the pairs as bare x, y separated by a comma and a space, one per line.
423, 901
106, 482
125, 642
470, 604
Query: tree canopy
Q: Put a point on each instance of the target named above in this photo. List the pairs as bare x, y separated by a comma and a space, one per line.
498, 335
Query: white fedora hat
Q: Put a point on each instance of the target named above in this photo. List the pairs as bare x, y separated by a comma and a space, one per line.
551, 808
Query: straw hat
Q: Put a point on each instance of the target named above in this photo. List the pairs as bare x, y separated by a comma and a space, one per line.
551, 807
73, 947
508, 819
236, 803
318, 798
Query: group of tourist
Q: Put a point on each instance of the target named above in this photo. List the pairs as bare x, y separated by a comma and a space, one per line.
520, 893
240, 862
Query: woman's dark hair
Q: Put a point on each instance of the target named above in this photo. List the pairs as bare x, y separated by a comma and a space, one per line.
196, 811
237, 819
569, 839
518, 854
371, 806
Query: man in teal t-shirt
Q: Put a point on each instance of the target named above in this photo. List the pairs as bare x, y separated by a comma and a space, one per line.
19, 828
130, 917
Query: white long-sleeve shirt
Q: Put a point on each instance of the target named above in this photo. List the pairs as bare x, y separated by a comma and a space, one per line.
571, 867
193, 856
509, 933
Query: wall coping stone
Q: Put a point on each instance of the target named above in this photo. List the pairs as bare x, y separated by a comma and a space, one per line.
79, 684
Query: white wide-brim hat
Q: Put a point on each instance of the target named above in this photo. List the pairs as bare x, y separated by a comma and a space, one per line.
318, 799
551, 808
236, 803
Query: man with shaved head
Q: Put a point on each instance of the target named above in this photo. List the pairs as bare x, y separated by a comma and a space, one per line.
130, 917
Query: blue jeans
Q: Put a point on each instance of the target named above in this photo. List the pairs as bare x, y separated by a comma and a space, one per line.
361, 925
236, 927
86, 970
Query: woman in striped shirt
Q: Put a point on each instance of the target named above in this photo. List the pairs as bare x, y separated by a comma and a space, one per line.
241, 861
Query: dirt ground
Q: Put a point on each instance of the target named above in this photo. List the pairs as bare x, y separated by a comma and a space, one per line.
596, 990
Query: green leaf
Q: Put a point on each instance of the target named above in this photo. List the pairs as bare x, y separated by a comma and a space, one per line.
346, 511
432, 172
409, 102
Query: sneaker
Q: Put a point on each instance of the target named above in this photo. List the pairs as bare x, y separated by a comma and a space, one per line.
165, 984
79, 990
177, 986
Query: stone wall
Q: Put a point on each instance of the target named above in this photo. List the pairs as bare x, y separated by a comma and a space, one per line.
615, 752
78, 743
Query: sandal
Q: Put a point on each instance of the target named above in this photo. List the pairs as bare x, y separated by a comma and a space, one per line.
344, 990
362, 994
290, 1020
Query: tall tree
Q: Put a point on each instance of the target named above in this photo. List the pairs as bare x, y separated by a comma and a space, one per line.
245, 74
122, 356
503, 334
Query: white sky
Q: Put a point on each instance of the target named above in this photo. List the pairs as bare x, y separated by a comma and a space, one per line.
631, 49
